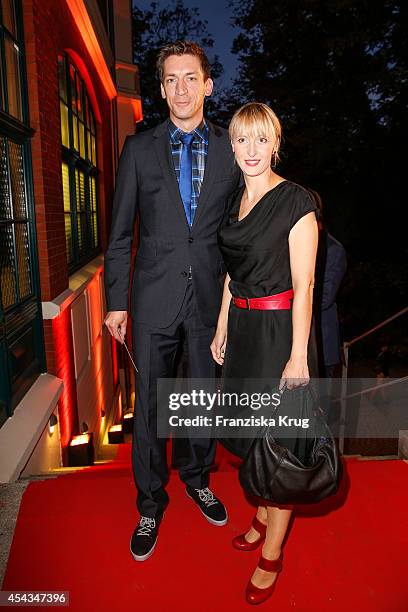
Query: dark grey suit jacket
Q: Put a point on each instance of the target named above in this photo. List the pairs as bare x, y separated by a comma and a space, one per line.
330, 270
147, 185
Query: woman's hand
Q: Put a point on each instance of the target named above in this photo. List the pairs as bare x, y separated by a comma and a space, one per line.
295, 374
219, 345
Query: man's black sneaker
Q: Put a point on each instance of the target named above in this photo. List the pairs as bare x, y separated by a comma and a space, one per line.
213, 510
144, 537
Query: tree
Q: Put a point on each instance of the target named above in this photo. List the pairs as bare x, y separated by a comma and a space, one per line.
155, 27
320, 64
336, 73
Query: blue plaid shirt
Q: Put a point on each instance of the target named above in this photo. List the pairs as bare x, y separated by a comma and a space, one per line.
199, 155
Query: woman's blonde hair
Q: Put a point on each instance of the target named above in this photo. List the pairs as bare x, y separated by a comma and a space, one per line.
256, 119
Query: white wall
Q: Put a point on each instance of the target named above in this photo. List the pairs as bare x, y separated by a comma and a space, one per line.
93, 366
93, 358
47, 453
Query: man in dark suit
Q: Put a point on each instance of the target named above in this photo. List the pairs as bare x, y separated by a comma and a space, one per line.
176, 178
334, 270
331, 263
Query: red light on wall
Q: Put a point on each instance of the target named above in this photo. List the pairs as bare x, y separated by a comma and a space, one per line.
136, 105
64, 361
120, 409
85, 27
137, 110
94, 304
114, 362
83, 71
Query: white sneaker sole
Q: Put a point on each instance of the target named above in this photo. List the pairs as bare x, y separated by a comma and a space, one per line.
146, 556
210, 520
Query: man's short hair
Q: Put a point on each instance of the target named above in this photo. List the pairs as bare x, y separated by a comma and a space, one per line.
183, 47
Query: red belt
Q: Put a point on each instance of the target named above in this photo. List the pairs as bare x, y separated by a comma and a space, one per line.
279, 301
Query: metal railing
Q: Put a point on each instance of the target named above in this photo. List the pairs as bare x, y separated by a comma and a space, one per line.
344, 377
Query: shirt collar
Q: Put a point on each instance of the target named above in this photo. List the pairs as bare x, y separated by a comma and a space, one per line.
200, 133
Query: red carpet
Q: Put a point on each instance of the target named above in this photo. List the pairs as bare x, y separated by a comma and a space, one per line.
347, 554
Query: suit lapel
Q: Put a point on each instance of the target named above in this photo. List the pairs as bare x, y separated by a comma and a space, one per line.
164, 156
209, 174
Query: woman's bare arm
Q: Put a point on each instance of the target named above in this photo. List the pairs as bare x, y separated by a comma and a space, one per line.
219, 342
303, 239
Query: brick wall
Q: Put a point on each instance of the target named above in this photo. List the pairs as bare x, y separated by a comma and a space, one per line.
49, 30
49, 346
41, 45
65, 369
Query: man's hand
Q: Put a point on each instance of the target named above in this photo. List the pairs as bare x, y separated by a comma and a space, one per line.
117, 320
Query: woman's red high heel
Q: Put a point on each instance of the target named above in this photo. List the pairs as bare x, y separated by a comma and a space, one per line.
256, 595
240, 543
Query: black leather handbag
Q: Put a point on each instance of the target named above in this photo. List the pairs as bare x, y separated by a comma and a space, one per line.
300, 470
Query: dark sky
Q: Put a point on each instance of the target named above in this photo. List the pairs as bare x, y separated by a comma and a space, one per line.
218, 15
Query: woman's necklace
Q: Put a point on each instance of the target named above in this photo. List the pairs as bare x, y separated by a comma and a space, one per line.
250, 203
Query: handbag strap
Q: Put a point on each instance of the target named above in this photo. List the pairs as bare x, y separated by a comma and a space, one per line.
316, 404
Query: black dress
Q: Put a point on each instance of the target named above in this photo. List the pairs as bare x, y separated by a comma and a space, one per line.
256, 254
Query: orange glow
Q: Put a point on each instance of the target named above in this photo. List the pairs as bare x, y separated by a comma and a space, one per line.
82, 439
84, 25
116, 428
64, 362
94, 306
114, 362
128, 415
83, 71
137, 110
120, 406
136, 105
94, 300
128, 67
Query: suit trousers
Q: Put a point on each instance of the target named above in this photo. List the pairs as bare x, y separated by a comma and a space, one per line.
155, 351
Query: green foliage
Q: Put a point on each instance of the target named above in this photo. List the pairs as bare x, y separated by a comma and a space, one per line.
333, 71
336, 73
155, 27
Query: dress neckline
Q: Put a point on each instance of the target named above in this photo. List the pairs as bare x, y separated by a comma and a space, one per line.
238, 220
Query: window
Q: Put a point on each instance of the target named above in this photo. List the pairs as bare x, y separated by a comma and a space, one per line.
11, 99
21, 340
106, 11
79, 166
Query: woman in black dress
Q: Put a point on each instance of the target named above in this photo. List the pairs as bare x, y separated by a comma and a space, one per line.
269, 240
